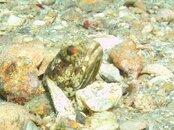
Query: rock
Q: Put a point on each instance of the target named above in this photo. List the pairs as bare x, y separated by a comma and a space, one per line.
133, 125
124, 12
61, 103
19, 82
135, 3
125, 57
108, 42
165, 15
99, 96
157, 70
13, 117
102, 121
33, 50
46, 2
15, 20
40, 105
63, 123
94, 5
159, 80
31, 126
109, 73
147, 28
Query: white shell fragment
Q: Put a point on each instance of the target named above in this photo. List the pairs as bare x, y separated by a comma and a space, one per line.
61, 103
99, 96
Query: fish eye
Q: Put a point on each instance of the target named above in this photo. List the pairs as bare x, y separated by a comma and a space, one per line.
71, 50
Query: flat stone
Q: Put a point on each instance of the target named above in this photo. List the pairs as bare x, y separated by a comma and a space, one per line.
61, 103
108, 42
109, 73
99, 96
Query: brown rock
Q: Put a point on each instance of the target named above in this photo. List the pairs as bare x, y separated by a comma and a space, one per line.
124, 56
33, 50
18, 80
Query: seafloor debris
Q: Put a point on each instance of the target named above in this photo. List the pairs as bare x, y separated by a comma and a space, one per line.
133, 84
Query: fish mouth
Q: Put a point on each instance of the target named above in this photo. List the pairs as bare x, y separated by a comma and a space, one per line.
94, 57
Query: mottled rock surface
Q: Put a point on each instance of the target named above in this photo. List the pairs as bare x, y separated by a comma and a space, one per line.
125, 57
13, 117
19, 81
